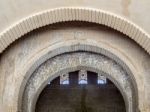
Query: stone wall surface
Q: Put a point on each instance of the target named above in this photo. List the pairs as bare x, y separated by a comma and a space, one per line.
134, 10
117, 15
24, 56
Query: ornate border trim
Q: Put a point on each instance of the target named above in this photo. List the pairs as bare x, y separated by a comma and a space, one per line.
63, 64
75, 48
74, 14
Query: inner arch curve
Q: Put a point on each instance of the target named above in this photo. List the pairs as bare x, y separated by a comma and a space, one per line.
50, 69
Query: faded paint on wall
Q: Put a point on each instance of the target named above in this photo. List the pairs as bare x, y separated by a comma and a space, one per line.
125, 7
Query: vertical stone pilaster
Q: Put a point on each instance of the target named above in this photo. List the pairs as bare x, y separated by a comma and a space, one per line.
82, 77
101, 79
64, 79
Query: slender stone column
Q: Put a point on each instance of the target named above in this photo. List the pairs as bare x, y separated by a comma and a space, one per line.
64, 78
101, 79
82, 77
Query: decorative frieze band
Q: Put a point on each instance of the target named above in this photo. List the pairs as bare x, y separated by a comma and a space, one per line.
66, 63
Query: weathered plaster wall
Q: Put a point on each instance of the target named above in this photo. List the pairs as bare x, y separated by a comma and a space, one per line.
134, 10
23, 54
15, 59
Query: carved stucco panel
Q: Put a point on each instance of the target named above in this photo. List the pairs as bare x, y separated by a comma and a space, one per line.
76, 61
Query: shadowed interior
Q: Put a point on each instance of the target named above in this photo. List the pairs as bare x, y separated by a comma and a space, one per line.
75, 97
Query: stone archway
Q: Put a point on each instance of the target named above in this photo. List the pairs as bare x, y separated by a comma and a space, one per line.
31, 60
75, 61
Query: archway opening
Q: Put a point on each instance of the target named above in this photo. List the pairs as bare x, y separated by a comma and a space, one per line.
80, 91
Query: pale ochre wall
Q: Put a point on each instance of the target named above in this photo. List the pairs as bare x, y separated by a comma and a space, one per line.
20, 57
11, 11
